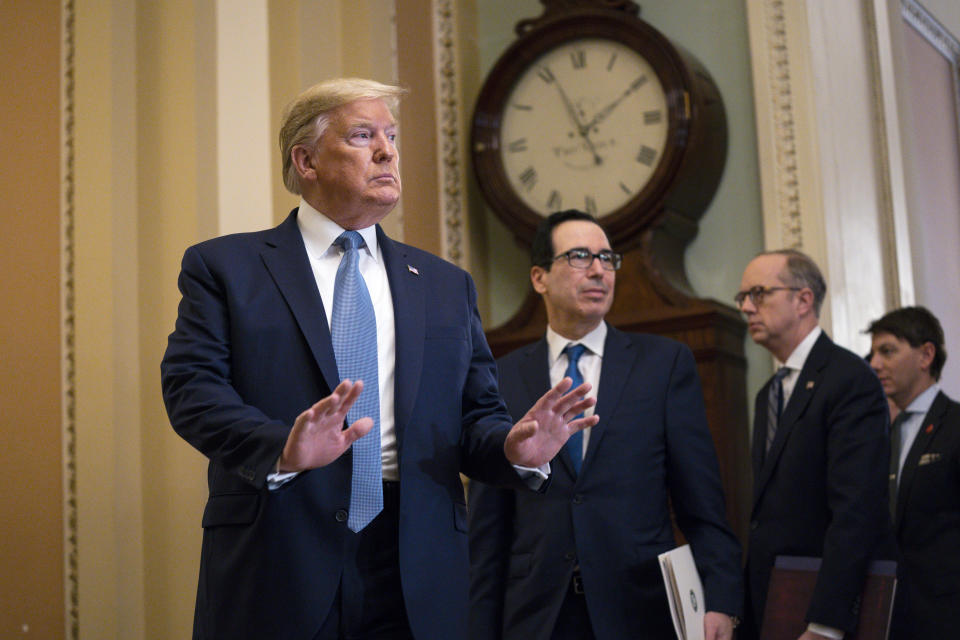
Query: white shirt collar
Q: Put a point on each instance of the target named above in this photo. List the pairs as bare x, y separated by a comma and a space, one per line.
319, 232
922, 403
593, 341
798, 358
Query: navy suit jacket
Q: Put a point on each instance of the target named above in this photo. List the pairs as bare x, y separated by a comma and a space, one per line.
252, 350
927, 525
821, 490
652, 445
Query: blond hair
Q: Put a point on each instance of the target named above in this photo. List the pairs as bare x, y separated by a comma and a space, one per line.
305, 118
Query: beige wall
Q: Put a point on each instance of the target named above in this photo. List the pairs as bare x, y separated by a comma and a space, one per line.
31, 512
147, 184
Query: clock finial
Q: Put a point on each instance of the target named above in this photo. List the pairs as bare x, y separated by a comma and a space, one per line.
553, 8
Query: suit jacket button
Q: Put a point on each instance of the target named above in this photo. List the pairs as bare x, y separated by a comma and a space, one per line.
753, 525
578, 499
341, 515
568, 555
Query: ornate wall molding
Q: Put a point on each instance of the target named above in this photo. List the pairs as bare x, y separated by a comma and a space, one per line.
788, 180
452, 179
781, 96
68, 345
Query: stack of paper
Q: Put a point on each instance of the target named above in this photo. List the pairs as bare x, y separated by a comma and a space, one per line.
684, 591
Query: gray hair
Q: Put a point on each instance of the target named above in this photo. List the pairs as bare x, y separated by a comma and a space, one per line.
305, 118
802, 271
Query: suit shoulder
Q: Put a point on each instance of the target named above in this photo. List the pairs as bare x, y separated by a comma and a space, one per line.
842, 357
651, 342
231, 242
425, 258
516, 356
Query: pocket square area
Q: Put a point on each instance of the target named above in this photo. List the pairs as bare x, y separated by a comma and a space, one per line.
928, 458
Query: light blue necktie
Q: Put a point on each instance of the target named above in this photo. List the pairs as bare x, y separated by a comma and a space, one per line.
575, 443
353, 328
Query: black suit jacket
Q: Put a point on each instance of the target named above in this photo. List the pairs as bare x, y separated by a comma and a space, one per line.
822, 489
927, 525
652, 445
251, 350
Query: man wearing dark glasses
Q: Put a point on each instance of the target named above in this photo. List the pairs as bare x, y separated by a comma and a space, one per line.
580, 561
820, 448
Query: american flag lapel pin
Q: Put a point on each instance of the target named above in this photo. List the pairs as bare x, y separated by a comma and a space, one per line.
929, 428
412, 269
809, 384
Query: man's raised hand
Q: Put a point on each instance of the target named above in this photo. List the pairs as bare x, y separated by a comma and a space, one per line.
545, 428
318, 437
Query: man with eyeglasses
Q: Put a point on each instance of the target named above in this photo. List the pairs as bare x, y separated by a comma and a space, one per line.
820, 448
580, 561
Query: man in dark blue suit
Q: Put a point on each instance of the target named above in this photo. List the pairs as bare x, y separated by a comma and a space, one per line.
315, 529
580, 561
820, 448
908, 355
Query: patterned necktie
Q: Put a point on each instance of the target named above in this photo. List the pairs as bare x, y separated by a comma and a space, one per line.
575, 443
896, 437
353, 328
775, 404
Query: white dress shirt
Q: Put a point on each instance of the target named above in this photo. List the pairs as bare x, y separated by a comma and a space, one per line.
319, 234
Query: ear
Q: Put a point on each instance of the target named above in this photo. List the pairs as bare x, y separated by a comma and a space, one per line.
537, 279
927, 352
300, 157
805, 300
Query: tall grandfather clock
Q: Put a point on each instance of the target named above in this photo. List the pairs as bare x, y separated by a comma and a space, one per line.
592, 108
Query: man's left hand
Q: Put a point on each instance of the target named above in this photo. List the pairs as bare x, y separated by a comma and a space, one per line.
545, 428
717, 626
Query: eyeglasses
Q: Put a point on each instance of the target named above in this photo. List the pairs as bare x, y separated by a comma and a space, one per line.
583, 259
757, 293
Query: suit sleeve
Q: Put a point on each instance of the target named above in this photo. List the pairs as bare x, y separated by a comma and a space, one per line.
203, 405
696, 490
490, 511
858, 453
485, 420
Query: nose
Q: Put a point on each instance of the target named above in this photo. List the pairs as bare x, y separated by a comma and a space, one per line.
747, 306
874, 362
595, 270
384, 149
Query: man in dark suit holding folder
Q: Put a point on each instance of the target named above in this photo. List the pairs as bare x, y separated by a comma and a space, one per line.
580, 561
316, 530
820, 448
908, 355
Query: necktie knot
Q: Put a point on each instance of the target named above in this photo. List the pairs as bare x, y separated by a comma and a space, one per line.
349, 240
781, 373
574, 351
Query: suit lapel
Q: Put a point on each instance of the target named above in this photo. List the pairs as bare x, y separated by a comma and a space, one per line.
619, 354
806, 386
921, 444
409, 313
285, 258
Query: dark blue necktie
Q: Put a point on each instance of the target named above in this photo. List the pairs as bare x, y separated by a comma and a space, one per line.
775, 404
575, 443
353, 329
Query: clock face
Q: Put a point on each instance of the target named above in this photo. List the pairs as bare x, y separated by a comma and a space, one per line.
584, 127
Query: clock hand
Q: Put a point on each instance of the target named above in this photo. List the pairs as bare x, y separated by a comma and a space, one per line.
607, 110
581, 130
